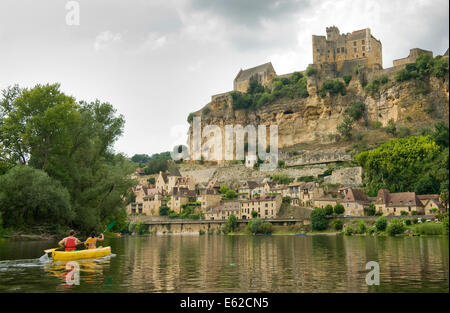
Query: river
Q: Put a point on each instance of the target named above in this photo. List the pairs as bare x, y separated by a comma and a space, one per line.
219, 263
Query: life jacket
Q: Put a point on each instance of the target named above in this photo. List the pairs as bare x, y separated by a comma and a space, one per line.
70, 244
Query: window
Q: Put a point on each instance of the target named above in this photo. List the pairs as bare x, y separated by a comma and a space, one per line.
354, 43
364, 54
362, 41
267, 212
338, 50
363, 48
354, 49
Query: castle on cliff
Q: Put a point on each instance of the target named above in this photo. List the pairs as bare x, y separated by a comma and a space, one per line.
334, 55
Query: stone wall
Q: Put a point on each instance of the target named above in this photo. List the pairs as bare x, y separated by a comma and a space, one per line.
320, 157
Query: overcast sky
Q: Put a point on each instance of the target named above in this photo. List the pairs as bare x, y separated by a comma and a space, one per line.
158, 60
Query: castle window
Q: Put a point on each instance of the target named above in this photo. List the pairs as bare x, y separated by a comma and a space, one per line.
364, 54
338, 50
354, 49
362, 41
363, 48
354, 43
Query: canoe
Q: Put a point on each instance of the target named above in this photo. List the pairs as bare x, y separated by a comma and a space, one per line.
81, 254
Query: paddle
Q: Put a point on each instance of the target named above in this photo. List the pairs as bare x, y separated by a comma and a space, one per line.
110, 225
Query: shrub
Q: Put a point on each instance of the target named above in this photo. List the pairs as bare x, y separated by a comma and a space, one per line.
337, 224
430, 229
377, 125
415, 220
257, 226
266, 228
362, 228
281, 179
348, 231
319, 220
396, 227
407, 222
339, 209
254, 214
347, 79
413, 212
206, 111
201, 232
305, 179
286, 200
164, 210
371, 210
329, 209
141, 228
404, 213
381, 223
333, 87
190, 118
445, 226
371, 230
404, 132
390, 128
440, 67
356, 110
345, 128
131, 227
311, 70
231, 224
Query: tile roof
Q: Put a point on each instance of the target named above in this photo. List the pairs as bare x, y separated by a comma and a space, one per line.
248, 73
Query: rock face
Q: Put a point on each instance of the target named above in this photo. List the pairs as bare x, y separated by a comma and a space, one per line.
314, 119
350, 177
320, 157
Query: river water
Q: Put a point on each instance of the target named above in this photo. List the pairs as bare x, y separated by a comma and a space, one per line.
218, 263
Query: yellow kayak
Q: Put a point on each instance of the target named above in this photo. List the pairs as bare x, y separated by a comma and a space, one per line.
81, 254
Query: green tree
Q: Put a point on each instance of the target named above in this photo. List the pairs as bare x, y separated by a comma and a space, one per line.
151, 180
254, 214
338, 225
231, 224
318, 218
356, 110
30, 197
339, 209
329, 209
396, 164
371, 210
346, 127
396, 227
164, 210
362, 228
381, 223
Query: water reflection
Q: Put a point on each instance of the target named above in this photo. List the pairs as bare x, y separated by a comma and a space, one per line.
214, 263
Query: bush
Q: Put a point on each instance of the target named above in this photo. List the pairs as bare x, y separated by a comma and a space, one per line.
356, 110
329, 209
286, 200
381, 223
337, 224
311, 70
346, 127
396, 226
281, 179
164, 210
362, 228
445, 226
404, 132
201, 232
371, 210
257, 226
141, 228
190, 118
231, 224
430, 229
391, 128
407, 222
131, 227
371, 230
415, 220
206, 111
339, 209
377, 125
404, 213
333, 87
319, 220
349, 231
347, 79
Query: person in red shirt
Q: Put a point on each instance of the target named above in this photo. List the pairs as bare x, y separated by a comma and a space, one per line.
70, 243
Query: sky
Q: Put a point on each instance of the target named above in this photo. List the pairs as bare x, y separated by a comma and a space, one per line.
156, 61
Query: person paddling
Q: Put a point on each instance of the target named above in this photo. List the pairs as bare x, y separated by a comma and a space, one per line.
91, 242
70, 243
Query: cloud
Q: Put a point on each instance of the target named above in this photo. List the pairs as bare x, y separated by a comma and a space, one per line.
106, 39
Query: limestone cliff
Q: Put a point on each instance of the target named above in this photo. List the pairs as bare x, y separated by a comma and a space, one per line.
310, 122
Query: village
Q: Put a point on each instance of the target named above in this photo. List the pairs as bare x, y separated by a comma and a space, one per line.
173, 192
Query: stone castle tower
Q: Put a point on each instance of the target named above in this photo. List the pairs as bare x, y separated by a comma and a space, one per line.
347, 50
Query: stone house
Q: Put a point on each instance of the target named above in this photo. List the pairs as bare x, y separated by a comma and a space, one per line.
263, 74
431, 203
304, 193
209, 198
180, 196
323, 202
148, 200
355, 202
395, 203
223, 211
245, 190
265, 206
168, 180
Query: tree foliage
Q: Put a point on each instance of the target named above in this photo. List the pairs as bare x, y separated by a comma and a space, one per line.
318, 218
397, 164
72, 142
